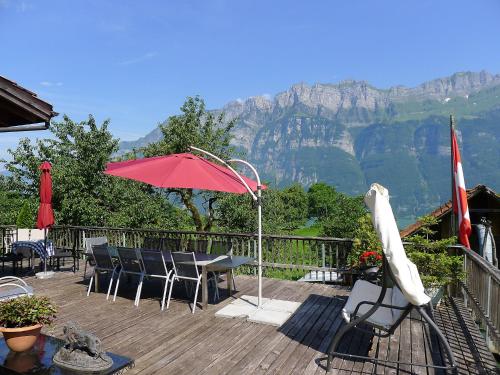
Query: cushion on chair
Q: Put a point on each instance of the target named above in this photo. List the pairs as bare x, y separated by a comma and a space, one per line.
13, 292
23, 235
365, 291
37, 234
397, 299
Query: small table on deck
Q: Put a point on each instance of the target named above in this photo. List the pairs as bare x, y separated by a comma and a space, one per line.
208, 263
38, 360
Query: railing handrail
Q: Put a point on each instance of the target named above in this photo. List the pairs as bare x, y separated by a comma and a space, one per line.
231, 234
480, 261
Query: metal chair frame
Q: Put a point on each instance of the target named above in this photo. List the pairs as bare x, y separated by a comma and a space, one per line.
89, 242
177, 277
425, 311
100, 267
17, 283
147, 273
123, 270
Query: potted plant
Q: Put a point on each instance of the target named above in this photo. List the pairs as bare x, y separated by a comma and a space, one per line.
21, 320
365, 257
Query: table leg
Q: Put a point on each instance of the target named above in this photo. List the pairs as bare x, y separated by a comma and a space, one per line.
229, 278
204, 288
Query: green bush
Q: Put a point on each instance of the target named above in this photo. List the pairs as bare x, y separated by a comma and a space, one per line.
26, 311
435, 265
25, 217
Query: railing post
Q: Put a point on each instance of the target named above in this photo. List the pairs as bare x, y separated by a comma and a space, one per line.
488, 309
323, 260
466, 280
124, 243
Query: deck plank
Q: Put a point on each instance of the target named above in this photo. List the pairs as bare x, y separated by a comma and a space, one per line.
177, 342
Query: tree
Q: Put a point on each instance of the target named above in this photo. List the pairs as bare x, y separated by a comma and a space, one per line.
343, 216
82, 193
11, 202
195, 127
322, 200
282, 211
25, 218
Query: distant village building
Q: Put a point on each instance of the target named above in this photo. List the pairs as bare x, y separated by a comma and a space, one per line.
21, 109
483, 203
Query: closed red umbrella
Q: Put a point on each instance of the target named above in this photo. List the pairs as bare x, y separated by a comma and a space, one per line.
181, 171
45, 212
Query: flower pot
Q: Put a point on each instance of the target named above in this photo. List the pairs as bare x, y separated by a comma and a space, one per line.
21, 339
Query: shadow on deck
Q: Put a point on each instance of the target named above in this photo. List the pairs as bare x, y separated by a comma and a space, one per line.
176, 342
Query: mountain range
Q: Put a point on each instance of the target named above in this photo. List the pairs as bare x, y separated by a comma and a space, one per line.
351, 134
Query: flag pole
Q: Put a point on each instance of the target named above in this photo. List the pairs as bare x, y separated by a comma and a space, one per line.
452, 170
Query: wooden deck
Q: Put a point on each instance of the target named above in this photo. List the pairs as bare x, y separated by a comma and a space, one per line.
177, 342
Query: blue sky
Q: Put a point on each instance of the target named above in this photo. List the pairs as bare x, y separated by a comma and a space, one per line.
135, 61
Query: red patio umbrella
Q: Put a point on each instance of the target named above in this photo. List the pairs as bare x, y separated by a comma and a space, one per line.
181, 171
45, 212
188, 171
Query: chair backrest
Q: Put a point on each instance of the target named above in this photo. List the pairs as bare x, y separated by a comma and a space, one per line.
221, 247
23, 234
129, 260
171, 244
152, 243
197, 246
153, 262
101, 257
37, 234
93, 241
184, 265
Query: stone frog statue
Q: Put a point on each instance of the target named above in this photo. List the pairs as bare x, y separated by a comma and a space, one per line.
76, 338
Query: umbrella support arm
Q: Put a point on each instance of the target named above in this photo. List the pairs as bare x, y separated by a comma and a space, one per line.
257, 198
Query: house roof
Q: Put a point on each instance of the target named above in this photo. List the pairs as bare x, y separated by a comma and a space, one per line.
442, 210
20, 107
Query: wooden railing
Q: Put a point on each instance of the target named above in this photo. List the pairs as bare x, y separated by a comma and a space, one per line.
481, 292
294, 255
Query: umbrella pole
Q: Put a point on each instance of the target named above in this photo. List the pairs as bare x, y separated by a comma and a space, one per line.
259, 241
45, 242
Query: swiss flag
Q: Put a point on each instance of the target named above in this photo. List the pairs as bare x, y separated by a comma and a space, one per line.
460, 206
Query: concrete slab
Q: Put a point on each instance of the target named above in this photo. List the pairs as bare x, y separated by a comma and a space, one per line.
274, 312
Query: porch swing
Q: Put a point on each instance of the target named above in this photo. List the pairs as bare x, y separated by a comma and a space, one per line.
385, 307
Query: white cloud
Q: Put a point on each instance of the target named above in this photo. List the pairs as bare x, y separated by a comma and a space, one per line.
145, 57
51, 84
267, 96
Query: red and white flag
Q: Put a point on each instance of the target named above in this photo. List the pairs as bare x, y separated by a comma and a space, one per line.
460, 206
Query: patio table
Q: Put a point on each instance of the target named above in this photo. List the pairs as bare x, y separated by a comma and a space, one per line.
208, 263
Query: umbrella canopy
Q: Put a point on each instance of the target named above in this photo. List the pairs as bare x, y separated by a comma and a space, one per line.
45, 212
181, 171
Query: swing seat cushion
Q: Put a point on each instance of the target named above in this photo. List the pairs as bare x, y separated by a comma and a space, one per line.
366, 291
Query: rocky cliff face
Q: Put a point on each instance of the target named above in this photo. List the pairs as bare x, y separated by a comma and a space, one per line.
351, 134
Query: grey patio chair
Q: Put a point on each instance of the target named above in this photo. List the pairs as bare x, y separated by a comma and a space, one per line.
154, 266
185, 268
152, 243
219, 247
89, 242
102, 263
13, 287
130, 264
